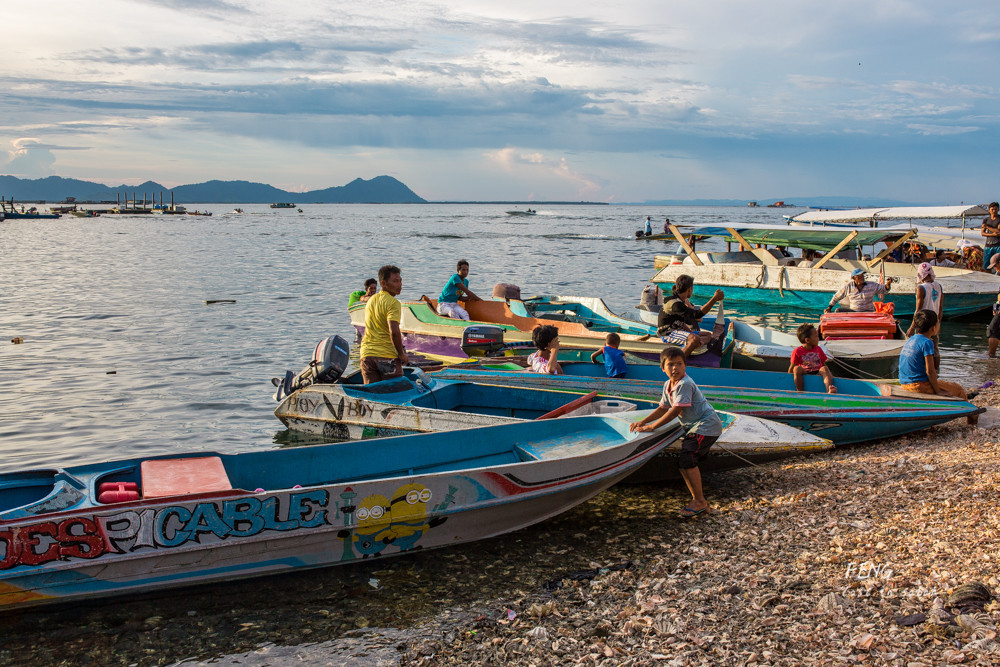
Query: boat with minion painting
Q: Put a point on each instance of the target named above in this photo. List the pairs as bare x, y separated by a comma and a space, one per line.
138, 525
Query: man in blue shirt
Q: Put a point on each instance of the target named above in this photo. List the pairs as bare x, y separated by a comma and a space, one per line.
457, 285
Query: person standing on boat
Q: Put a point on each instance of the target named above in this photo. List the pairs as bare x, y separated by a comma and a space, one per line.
457, 286
648, 230
677, 322
382, 353
991, 231
860, 293
930, 296
666, 226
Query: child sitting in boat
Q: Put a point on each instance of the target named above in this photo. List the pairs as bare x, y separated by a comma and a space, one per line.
916, 362
810, 359
614, 359
546, 339
682, 399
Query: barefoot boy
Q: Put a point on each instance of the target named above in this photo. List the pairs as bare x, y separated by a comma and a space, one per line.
682, 399
809, 359
614, 359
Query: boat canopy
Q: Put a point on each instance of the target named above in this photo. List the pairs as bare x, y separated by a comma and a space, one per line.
815, 238
874, 215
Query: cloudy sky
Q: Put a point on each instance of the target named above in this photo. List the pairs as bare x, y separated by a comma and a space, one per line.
617, 100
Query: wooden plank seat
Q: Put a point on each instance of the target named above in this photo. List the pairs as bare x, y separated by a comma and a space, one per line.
179, 477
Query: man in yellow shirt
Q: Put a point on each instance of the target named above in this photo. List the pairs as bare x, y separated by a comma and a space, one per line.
382, 353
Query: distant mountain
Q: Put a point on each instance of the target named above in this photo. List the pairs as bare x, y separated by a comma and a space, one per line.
379, 190
796, 202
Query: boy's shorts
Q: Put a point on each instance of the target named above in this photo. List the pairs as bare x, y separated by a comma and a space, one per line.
677, 337
694, 447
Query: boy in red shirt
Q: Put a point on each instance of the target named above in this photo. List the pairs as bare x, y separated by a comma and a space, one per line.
809, 359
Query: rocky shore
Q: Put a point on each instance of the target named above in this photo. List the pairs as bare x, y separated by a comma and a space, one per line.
882, 554
877, 554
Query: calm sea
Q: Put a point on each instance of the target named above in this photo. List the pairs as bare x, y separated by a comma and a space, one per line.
122, 357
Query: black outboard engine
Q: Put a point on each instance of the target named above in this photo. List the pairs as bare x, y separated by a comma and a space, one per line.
482, 341
329, 362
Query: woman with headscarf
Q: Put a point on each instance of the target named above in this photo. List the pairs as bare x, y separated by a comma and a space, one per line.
930, 296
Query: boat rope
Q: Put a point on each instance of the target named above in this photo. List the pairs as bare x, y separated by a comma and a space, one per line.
760, 278
732, 453
856, 371
781, 275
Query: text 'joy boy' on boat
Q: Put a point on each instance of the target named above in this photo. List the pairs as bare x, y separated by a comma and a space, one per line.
138, 525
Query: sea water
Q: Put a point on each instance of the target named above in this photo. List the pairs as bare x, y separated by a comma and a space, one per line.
122, 356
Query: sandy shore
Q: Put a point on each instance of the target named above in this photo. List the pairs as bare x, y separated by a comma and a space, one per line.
856, 556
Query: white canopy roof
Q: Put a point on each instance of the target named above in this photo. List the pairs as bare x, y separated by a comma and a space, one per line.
892, 213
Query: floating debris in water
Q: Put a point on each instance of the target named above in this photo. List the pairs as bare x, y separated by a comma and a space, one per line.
17, 340
211, 302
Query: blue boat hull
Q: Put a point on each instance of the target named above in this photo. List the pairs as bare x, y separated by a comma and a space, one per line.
266, 512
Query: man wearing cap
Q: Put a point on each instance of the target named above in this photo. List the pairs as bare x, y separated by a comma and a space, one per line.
860, 293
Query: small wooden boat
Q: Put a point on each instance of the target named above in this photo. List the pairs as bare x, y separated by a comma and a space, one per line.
758, 275
202, 213
282, 205
583, 323
860, 411
420, 403
143, 524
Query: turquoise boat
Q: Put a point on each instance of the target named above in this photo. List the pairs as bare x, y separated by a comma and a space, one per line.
764, 278
418, 402
138, 525
861, 410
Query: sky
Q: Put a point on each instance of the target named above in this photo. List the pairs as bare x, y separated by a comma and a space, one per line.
611, 101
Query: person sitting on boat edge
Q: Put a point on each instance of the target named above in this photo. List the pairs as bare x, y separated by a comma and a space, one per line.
614, 359
916, 362
546, 339
810, 359
457, 285
382, 353
677, 322
683, 399
860, 293
666, 225
930, 296
362, 295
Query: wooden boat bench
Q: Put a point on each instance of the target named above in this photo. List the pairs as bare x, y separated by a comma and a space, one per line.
178, 477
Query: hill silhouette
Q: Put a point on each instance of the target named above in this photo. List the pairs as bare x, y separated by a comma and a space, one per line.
378, 190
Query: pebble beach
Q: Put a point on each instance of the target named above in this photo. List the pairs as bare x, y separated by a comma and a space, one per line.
880, 554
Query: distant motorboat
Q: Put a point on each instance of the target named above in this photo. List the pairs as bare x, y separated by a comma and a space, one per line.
282, 205
526, 212
204, 213
237, 210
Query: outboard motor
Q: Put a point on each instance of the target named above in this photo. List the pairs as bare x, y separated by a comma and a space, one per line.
329, 362
482, 340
